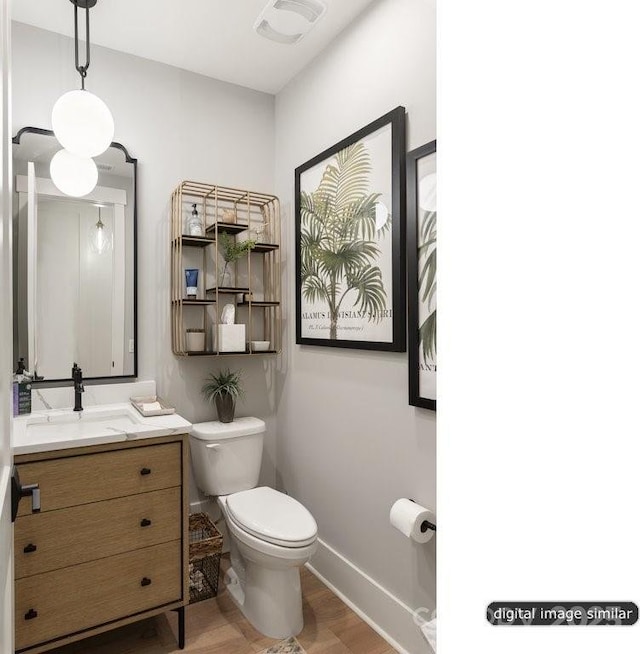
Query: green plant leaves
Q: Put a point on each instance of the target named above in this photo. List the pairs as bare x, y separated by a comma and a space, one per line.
337, 232
427, 256
224, 382
232, 251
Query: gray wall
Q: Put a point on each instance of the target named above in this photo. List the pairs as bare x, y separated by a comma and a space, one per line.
180, 126
348, 443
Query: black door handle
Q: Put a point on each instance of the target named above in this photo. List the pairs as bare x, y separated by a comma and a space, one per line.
145, 581
30, 614
145, 471
30, 548
145, 522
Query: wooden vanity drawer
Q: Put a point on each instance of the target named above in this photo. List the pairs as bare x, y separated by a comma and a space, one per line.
57, 539
75, 480
61, 602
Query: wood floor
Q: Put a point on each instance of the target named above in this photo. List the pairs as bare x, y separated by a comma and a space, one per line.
217, 626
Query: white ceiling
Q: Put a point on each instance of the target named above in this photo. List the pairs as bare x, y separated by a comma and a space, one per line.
210, 37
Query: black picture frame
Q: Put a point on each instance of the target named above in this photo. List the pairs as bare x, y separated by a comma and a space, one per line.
416, 359
397, 121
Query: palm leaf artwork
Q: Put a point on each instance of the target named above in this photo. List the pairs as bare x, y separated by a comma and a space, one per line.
338, 247
427, 283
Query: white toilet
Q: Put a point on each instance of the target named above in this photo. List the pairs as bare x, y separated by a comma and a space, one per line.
271, 534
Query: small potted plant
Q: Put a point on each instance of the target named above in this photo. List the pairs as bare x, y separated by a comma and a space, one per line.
223, 388
232, 252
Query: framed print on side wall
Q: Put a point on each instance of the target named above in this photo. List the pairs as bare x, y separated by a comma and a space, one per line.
421, 285
350, 241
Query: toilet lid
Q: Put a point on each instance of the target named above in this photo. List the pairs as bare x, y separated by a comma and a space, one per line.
218, 431
272, 516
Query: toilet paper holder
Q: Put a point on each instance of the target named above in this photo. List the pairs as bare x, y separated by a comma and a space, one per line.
426, 524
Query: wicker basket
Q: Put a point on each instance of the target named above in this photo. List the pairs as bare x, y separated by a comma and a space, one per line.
205, 548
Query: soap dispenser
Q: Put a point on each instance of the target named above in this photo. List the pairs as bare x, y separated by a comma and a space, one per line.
194, 224
21, 390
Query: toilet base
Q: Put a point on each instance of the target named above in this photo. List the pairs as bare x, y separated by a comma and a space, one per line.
271, 600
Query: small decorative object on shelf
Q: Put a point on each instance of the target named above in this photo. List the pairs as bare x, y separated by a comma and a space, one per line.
194, 224
205, 549
235, 258
227, 336
196, 340
224, 388
191, 281
229, 216
232, 250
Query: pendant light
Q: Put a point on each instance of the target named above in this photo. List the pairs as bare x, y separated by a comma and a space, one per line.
101, 239
81, 121
73, 175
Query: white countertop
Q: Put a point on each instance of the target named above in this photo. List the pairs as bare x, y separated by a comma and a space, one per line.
59, 429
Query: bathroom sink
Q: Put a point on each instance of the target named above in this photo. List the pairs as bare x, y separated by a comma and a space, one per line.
82, 423
65, 428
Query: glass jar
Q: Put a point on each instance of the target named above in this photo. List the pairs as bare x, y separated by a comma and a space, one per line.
194, 224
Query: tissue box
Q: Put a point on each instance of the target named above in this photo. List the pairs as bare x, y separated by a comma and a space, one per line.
230, 338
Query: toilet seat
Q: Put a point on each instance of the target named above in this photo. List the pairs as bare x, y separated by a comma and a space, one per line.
273, 517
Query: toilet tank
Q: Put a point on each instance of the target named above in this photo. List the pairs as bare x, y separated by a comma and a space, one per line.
226, 457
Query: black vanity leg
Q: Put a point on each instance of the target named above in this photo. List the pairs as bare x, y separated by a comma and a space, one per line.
181, 627
180, 613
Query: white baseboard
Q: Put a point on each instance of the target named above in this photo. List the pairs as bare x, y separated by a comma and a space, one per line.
384, 612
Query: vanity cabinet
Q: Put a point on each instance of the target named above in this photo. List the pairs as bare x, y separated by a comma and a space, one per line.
109, 545
252, 284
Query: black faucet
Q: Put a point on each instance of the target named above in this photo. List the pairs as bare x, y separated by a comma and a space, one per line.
78, 386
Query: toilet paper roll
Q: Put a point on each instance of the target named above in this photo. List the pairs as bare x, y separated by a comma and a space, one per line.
410, 519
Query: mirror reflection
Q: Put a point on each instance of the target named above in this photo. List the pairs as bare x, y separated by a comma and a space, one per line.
74, 265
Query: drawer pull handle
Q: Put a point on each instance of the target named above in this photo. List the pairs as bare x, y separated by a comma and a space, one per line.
30, 614
145, 522
145, 581
145, 471
30, 548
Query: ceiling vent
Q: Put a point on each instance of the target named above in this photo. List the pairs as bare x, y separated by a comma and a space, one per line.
288, 21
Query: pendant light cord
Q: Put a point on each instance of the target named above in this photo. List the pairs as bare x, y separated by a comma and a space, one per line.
82, 70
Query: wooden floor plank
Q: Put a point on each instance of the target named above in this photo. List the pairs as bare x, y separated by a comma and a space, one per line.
217, 626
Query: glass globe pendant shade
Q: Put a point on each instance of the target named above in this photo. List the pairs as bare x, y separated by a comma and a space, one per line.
73, 175
82, 123
101, 240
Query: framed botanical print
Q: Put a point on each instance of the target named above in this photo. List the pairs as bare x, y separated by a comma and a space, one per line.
421, 264
350, 241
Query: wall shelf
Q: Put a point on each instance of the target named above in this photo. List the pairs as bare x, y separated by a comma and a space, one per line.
228, 228
193, 303
259, 303
196, 241
229, 290
241, 214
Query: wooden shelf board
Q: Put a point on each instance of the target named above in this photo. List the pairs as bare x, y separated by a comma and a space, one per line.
223, 354
197, 241
194, 302
265, 247
229, 228
259, 304
228, 290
